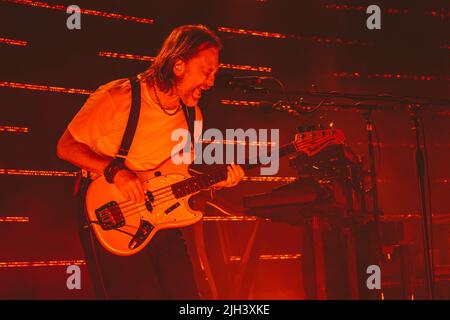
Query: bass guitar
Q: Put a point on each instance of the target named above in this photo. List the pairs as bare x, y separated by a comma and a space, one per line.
124, 227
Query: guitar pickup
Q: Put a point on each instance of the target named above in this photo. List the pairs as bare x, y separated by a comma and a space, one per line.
172, 207
148, 206
148, 203
110, 216
150, 196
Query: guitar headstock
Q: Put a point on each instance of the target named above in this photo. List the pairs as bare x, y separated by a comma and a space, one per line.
312, 141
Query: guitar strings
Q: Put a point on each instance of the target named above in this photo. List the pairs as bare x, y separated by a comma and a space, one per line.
136, 210
142, 206
152, 192
132, 203
137, 207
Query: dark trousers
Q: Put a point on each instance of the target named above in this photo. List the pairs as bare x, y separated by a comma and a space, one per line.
162, 270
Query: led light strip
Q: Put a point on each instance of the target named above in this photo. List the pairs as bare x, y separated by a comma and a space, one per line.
270, 179
405, 11
50, 263
14, 42
129, 56
244, 67
117, 16
253, 33
17, 85
272, 257
15, 219
396, 76
265, 34
14, 129
240, 142
110, 54
45, 173
364, 8
244, 103
229, 218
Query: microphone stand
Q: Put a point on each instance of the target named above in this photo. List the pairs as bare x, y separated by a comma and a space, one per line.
404, 100
373, 177
427, 218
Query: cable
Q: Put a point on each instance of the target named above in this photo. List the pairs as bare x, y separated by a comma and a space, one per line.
427, 175
378, 144
228, 213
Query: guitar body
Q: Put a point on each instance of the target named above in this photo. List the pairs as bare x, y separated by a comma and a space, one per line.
124, 227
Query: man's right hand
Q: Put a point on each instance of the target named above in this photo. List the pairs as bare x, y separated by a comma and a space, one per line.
129, 185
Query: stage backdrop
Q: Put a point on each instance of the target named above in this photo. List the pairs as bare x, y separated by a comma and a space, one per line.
47, 72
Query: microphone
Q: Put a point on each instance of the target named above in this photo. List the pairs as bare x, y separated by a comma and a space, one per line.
247, 84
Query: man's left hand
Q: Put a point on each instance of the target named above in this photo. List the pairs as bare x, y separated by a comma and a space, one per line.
234, 176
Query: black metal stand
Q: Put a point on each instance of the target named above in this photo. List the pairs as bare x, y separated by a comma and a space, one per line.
373, 175
426, 217
373, 188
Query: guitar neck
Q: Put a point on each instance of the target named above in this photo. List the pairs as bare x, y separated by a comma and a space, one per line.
285, 150
309, 142
197, 183
206, 180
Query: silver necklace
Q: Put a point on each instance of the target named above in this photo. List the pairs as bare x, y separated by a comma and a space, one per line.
160, 104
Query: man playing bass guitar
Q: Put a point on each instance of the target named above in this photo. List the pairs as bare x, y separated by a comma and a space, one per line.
185, 66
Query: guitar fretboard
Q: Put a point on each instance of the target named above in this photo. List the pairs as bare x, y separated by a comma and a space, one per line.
206, 180
197, 183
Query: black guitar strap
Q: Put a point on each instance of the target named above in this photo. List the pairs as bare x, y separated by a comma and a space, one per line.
133, 119
189, 115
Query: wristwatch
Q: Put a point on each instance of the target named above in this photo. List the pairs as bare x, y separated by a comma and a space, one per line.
112, 169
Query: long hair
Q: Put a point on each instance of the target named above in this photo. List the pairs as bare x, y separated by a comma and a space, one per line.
183, 43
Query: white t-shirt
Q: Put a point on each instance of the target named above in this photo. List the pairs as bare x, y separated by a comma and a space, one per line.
101, 123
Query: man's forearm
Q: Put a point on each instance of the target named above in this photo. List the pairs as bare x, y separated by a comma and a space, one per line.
81, 155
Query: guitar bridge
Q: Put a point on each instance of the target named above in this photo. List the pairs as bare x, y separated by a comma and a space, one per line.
110, 216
